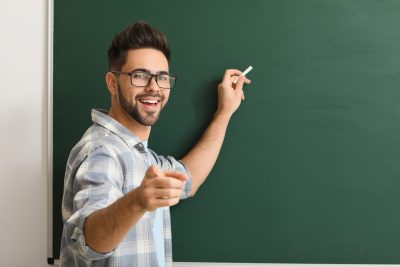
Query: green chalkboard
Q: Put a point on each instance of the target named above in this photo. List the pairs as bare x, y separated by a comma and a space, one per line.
310, 168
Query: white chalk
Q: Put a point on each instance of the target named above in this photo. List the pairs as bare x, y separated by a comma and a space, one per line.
243, 74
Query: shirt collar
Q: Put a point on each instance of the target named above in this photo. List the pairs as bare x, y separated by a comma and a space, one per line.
101, 118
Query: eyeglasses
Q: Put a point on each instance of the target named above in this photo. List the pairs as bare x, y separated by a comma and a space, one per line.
141, 78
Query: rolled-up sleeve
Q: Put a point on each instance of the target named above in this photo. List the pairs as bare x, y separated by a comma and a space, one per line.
98, 181
171, 164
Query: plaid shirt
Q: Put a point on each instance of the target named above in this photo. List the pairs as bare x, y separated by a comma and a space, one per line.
107, 163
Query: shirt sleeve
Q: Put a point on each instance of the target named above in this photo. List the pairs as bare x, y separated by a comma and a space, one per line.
171, 164
98, 180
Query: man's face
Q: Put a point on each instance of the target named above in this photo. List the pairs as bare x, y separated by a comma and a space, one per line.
143, 104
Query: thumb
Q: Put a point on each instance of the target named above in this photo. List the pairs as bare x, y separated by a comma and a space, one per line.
153, 171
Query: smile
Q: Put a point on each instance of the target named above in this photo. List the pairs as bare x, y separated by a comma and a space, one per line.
149, 101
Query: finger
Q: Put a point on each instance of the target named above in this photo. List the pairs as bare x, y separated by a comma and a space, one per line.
153, 171
165, 182
167, 202
167, 193
236, 78
177, 175
231, 72
155, 203
239, 87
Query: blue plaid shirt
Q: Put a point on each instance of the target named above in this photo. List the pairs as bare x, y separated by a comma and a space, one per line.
107, 163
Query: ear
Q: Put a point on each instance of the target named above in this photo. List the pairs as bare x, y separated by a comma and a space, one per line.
112, 83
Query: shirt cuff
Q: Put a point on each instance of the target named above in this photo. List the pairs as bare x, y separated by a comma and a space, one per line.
79, 242
188, 184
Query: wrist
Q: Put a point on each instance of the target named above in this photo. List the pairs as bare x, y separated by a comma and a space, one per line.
136, 204
222, 116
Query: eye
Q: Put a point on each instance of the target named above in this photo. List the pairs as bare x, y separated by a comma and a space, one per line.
163, 77
139, 75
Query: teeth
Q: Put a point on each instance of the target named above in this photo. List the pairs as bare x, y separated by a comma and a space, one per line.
149, 101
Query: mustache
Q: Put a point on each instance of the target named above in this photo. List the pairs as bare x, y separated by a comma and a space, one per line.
157, 95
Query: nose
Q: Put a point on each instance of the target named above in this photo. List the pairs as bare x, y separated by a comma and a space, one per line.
152, 86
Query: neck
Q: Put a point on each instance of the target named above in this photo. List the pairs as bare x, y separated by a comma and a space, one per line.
141, 131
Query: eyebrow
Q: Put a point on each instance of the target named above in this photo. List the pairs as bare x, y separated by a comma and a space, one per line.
147, 71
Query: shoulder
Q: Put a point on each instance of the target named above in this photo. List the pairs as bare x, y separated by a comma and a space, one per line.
96, 140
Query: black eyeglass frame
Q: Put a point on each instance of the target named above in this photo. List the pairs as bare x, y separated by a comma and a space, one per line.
151, 77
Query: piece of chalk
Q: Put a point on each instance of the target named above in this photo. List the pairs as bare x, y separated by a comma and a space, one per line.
243, 74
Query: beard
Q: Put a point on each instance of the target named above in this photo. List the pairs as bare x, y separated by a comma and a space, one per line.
147, 118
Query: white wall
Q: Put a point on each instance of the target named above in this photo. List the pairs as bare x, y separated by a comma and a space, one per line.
23, 134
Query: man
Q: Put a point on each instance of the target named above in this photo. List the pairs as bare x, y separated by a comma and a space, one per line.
117, 192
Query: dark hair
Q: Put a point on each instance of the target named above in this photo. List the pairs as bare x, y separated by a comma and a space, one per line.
136, 35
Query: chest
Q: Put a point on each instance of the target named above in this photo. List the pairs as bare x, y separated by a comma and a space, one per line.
134, 167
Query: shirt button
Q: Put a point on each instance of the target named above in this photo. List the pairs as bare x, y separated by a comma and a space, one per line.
140, 147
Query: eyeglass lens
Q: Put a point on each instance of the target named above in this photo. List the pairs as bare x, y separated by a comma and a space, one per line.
143, 79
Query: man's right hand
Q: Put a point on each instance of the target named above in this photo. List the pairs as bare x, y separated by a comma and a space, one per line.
230, 95
160, 189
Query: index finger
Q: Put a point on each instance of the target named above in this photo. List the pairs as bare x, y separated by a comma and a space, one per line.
176, 175
231, 72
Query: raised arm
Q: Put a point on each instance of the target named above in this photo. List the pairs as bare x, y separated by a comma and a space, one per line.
201, 159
